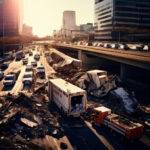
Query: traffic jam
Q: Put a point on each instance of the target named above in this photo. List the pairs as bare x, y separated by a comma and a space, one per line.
22, 72
45, 99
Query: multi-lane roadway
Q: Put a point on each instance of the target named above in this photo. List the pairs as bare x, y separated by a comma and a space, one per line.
85, 137
15, 89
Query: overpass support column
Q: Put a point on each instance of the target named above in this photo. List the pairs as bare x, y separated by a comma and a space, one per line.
123, 72
82, 57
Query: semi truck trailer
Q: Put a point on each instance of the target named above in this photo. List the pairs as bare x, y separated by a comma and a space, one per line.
70, 99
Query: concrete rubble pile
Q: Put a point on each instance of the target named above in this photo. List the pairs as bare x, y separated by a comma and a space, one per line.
97, 82
24, 119
63, 64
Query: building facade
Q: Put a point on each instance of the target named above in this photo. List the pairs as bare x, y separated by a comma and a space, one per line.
122, 20
27, 30
87, 27
11, 17
69, 22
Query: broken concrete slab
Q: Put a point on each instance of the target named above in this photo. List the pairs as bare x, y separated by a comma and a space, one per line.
28, 122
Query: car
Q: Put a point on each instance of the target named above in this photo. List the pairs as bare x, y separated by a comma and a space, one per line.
28, 78
88, 44
147, 124
75, 43
1, 74
100, 44
37, 57
4, 66
23, 55
123, 47
107, 45
95, 44
30, 53
25, 61
16, 72
146, 48
136, 47
140, 47
79, 43
34, 63
29, 68
40, 71
1, 60
114, 46
20, 55
9, 80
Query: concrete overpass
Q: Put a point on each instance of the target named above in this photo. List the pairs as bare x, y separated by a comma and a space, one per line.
131, 58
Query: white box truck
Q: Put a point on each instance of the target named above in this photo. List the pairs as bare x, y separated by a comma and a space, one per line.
69, 98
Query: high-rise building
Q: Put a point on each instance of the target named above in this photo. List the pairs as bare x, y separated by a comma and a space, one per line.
122, 20
11, 17
27, 30
69, 20
69, 23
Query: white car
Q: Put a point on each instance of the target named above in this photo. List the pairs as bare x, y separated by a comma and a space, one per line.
146, 48
114, 46
123, 47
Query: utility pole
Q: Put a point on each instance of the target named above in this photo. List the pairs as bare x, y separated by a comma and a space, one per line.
3, 29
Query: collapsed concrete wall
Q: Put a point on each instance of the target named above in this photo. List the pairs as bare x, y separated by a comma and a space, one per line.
63, 63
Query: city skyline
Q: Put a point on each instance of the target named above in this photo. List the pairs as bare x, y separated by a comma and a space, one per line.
46, 16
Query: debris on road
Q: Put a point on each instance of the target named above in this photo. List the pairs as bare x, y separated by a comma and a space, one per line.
97, 82
63, 64
103, 116
29, 118
145, 109
28, 122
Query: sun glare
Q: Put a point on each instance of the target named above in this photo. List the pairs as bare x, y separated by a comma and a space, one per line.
46, 15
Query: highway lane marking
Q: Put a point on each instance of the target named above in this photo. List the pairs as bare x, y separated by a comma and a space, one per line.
18, 85
100, 137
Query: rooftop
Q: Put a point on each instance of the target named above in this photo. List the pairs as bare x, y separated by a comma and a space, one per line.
66, 86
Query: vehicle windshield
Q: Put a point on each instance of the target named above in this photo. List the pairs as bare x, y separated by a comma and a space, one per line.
9, 78
40, 68
29, 68
27, 76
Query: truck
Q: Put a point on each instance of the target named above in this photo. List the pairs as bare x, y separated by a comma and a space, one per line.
99, 84
70, 99
96, 82
102, 116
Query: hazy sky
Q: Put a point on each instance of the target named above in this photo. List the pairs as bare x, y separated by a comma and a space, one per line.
46, 15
